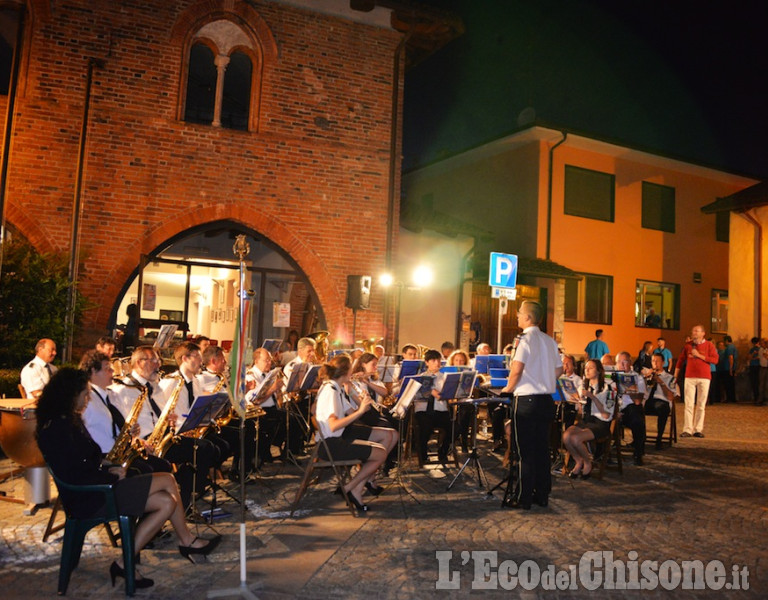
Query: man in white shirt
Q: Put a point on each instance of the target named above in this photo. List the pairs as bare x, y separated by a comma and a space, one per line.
36, 374
305, 353
533, 375
272, 424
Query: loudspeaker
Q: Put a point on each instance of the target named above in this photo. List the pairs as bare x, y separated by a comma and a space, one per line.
358, 292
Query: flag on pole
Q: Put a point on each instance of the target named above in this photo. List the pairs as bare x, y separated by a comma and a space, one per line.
237, 359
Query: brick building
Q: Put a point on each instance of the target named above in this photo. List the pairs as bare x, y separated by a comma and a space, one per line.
199, 120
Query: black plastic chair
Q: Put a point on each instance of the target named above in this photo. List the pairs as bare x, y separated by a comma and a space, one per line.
75, 529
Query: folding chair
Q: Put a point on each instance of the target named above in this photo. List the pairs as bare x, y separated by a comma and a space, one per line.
340, 468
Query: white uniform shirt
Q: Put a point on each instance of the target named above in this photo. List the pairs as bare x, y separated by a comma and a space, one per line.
184, 402
669, 381
35, 375
440, 405
606, 398
258, 377
126, 394
98, 419
538, 352
330, 401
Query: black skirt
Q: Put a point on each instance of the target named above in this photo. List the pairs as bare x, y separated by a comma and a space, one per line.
598, 427
342, 449
131, 494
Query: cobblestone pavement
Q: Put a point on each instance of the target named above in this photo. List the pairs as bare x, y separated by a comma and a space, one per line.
704, 499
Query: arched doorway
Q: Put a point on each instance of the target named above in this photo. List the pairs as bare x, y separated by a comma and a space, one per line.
192, 281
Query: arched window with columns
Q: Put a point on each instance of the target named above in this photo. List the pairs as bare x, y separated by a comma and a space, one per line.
223, 64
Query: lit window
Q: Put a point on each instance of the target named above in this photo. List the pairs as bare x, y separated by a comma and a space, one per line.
657, 305
719, 311
589, 299
658, 207
589, 194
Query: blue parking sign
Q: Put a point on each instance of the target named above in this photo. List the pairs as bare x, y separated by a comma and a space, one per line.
503, 271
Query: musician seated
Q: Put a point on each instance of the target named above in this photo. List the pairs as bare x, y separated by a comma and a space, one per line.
103, 419
660, 399
76, 459
193, 464
272, 424
305, 353
365, 380
210, 380
433, 414
570, 406
599, 400
184, 384
464, 414
336, 419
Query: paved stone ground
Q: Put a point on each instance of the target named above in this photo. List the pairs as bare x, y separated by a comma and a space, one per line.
704, 499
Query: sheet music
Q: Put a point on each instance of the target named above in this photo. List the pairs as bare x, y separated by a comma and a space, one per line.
259, 393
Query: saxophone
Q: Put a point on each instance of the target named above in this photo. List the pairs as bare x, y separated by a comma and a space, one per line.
124, 451
199, 432
159, 441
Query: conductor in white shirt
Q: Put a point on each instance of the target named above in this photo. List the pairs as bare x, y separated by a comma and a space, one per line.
533, 374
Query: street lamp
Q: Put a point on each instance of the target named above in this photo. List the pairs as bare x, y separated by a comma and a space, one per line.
421, 277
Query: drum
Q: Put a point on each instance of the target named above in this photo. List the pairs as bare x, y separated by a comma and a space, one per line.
17, 431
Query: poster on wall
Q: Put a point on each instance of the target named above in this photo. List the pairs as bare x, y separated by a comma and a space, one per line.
281, 314
148, 297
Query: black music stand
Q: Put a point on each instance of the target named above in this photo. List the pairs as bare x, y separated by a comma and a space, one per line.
204, 411
302, 378
473, 456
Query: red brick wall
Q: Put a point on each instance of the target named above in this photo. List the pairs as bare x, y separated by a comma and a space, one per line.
319, 193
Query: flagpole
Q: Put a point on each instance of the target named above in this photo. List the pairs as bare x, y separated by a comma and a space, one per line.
241, 250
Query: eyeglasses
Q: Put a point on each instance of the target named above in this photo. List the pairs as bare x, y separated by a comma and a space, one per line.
150, 359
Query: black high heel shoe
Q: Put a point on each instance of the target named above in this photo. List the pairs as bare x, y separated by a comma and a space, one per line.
374, 490
574, 475
186, 551
141, 582
356, 503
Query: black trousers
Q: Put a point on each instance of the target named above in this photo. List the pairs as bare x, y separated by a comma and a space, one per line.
187, 454
532, 418
231, 434
271, 432
428, 421
633, 417
661, 408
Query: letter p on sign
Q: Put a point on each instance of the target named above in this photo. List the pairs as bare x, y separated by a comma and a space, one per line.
503, 270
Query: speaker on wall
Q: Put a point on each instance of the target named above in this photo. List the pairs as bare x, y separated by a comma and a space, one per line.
358, 292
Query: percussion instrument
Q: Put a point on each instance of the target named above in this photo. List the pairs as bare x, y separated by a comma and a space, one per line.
17, 431
17, 439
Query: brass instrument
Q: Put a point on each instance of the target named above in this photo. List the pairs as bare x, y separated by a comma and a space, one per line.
254, 412
321, 345
199, 432
159, 441
369, 344
423, 350
124, 452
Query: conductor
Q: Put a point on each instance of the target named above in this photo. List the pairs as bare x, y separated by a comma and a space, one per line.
535, 367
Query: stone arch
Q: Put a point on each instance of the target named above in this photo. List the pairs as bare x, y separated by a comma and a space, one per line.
30, 228
306, 259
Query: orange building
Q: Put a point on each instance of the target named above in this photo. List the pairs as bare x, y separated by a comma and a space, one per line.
609, 237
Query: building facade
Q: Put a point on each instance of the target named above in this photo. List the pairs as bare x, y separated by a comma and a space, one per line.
609, 237
147, 134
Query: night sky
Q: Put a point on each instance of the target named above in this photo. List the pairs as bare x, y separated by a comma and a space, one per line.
678, 78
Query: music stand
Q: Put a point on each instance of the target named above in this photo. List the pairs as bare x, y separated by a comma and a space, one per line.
293, 387
402, 410
458, 386
204, 411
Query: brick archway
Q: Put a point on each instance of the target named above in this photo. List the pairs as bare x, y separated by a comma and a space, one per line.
302, 254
